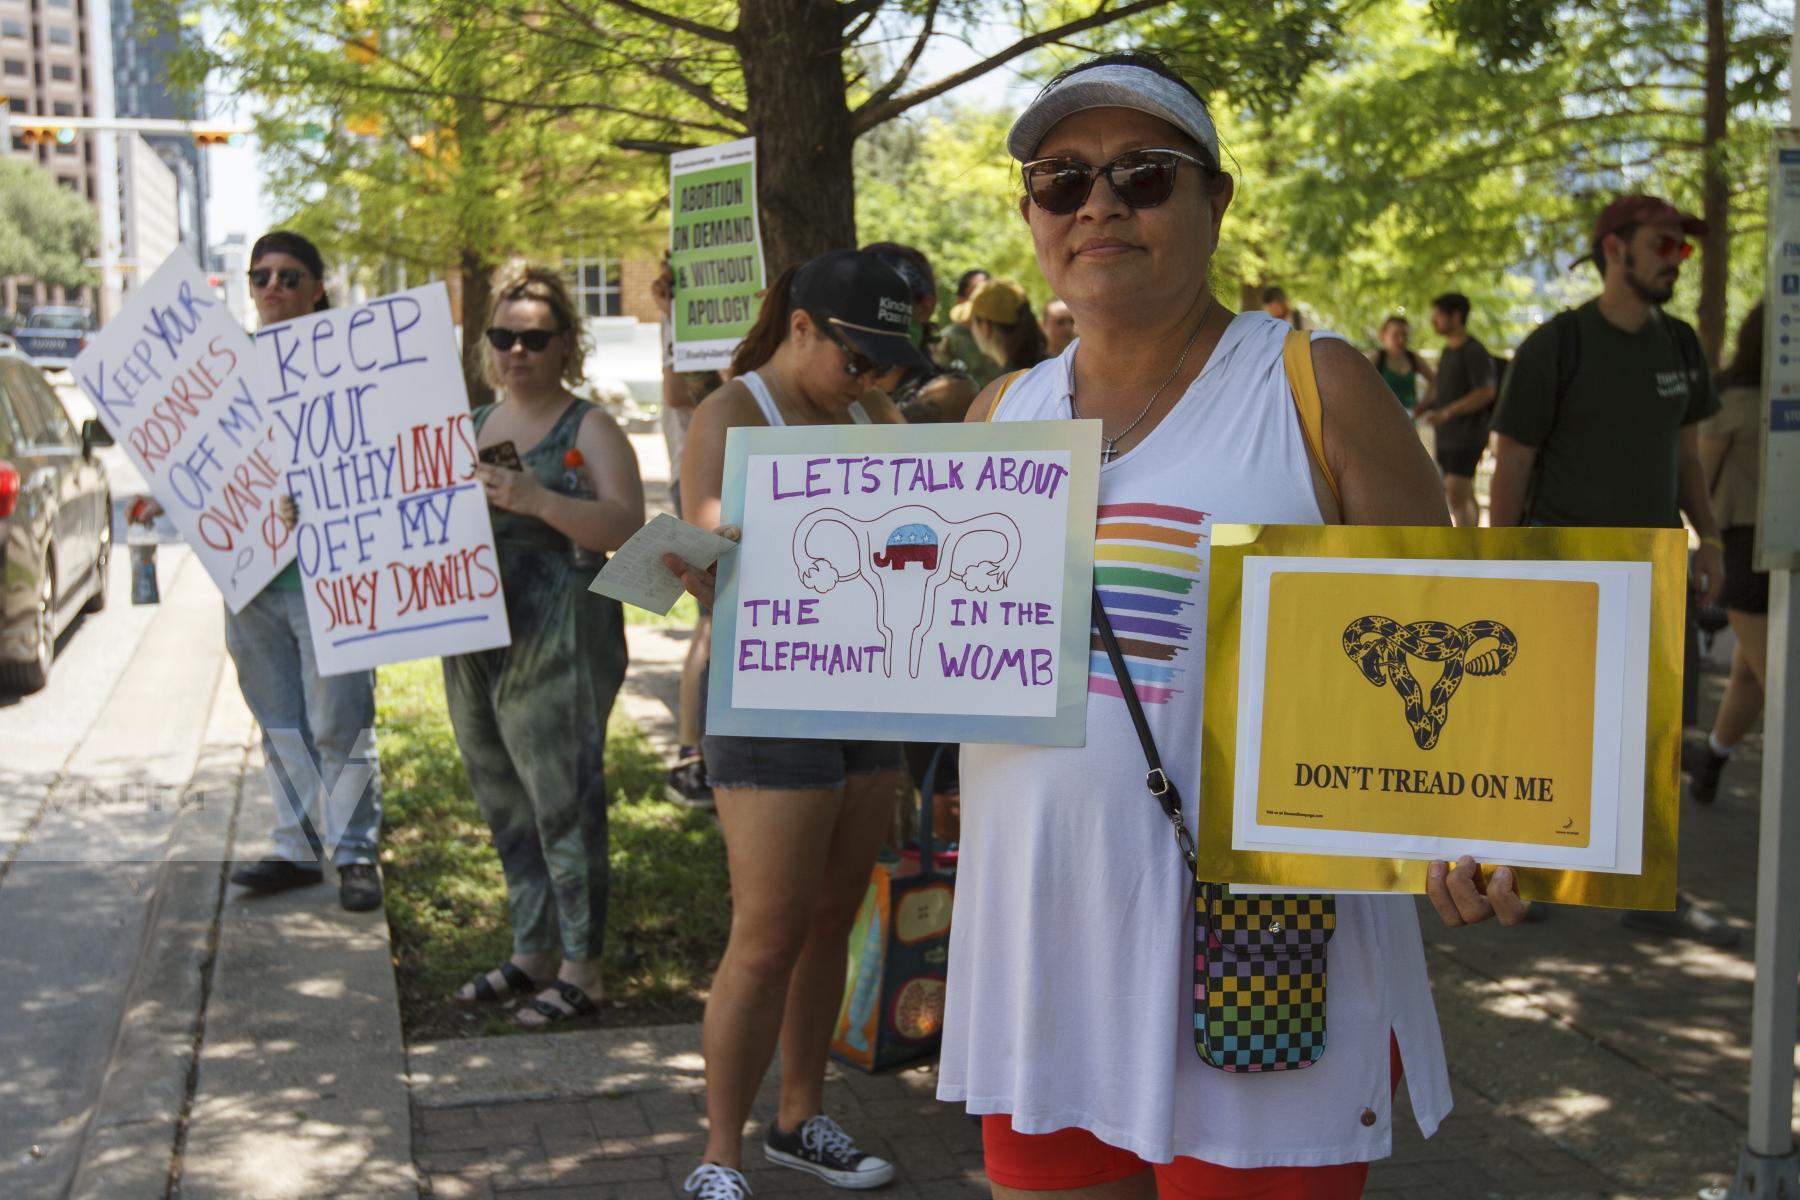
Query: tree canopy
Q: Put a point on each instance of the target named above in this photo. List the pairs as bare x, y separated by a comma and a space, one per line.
46, 232
1468, 145
1387, 150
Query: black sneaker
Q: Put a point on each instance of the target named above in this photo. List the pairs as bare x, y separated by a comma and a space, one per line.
276, 875
710, 1181
687, 784
359, 887
1704, 768
821, 1147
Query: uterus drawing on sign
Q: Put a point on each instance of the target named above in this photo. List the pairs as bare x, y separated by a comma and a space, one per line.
833, 547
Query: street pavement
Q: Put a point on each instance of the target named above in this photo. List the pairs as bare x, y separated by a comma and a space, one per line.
97, 770
260, 1053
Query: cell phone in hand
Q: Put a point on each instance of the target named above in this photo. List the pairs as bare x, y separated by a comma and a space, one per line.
501, 454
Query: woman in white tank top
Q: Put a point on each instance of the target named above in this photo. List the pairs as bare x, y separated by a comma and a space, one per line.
803, 818
1068, 1021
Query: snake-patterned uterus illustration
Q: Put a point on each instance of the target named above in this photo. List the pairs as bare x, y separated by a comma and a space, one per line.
1379, 647
978, 553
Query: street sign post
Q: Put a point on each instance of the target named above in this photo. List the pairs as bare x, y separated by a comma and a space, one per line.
1769, 1165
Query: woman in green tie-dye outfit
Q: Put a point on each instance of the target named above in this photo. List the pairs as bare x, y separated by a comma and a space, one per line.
530, 719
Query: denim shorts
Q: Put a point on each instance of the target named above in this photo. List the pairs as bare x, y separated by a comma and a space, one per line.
795, 764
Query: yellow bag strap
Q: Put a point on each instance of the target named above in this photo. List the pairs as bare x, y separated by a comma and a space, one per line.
1303, 381
1006, 381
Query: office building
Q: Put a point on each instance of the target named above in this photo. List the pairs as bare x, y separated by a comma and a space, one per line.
141, 69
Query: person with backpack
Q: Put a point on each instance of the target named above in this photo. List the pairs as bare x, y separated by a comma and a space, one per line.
1400, 368
1598, 423
1459, 410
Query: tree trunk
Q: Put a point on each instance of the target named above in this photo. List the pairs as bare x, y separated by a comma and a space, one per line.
1715, 247
477, 258
793, 64
477, 294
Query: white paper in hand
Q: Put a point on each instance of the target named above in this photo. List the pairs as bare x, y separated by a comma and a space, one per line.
636, 574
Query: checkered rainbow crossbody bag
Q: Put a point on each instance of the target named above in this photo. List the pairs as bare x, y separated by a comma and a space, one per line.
1259, 961
1259, 978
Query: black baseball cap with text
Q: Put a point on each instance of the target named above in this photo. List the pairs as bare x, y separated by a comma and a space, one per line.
865, 301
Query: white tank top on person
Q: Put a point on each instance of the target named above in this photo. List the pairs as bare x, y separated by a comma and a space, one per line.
765, 400
1070, 997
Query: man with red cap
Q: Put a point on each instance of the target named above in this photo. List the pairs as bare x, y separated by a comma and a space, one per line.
1598, 422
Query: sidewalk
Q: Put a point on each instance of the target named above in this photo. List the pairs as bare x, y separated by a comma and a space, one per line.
261, 1053
1588, 1062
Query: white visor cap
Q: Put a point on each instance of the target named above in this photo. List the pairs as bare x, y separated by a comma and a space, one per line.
1115, 85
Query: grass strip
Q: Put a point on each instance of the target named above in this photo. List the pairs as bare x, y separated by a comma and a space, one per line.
446, 898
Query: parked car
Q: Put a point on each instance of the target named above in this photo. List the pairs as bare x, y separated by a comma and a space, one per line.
54, 334
55, 522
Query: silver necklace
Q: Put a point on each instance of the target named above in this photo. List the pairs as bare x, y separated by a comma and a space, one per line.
1109, 445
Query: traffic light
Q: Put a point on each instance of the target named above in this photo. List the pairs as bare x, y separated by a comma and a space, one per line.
218, 137
42, 133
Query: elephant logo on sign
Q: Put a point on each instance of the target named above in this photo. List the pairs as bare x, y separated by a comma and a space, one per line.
1379, 647
832, 547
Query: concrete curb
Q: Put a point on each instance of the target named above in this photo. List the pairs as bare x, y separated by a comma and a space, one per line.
130, 1140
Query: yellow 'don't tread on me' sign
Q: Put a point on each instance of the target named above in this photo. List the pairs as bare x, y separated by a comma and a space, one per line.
1449, 707
1381, 697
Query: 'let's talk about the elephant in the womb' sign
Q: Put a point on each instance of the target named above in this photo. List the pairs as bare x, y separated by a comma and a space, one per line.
920, 583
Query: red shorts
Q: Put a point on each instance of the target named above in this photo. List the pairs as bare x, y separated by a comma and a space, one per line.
1074, 1158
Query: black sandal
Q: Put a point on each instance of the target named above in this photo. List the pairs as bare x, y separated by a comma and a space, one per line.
577, 1000
518, 983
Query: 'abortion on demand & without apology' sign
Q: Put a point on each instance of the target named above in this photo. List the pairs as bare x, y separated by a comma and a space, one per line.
715, 251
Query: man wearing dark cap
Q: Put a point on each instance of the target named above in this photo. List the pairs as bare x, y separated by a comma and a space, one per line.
1597, 423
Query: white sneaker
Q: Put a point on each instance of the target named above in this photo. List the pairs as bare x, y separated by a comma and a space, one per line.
821, 1147
714, 1182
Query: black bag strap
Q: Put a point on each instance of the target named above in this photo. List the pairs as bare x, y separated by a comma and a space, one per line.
1162, 788
1566, 325
927, 790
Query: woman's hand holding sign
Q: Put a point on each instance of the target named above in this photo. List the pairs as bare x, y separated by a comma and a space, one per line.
1460, 900
698, 582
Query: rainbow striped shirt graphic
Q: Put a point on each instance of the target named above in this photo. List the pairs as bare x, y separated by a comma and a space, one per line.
1147, 566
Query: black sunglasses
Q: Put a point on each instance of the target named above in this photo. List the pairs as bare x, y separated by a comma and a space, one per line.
533, 340
288, 277
1139, 178
855, 365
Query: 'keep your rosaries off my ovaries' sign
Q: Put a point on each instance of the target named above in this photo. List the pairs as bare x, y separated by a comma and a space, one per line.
174, 380
907, 582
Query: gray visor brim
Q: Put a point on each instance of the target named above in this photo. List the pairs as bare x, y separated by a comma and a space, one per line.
1113, 86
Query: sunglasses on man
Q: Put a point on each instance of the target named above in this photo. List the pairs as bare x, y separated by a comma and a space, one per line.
534, 340
288, 277
1139, 178
1670, 246
1666, 245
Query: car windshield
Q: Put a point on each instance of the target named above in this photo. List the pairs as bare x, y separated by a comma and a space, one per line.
58, 320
